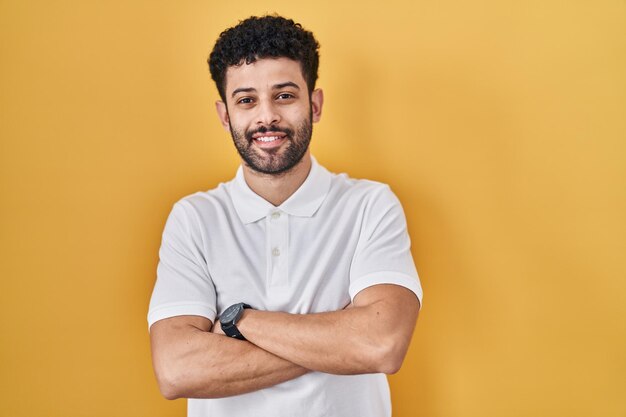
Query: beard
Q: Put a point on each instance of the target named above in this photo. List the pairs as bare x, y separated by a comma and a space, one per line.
274, 161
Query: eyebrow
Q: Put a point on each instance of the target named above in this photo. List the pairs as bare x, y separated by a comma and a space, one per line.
274, 87
287, 84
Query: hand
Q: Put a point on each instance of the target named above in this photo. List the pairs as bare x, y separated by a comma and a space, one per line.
217, 327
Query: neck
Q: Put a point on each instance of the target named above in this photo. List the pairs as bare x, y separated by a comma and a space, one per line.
277, 188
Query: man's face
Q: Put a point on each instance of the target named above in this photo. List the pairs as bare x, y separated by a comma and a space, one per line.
269, 113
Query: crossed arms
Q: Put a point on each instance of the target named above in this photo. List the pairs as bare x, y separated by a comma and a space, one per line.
371, 335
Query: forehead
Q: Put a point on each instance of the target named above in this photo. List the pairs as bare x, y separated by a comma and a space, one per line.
263, 74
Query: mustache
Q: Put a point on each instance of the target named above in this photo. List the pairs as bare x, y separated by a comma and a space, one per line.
272, 128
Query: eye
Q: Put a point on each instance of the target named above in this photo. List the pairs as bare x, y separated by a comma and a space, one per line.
245, 100
285, 96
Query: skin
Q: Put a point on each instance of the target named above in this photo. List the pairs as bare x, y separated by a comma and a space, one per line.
192, 358
253, 100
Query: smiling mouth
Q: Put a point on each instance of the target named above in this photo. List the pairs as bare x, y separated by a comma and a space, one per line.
267, 139
269, 143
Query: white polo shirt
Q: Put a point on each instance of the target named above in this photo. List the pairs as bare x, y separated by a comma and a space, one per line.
334, 237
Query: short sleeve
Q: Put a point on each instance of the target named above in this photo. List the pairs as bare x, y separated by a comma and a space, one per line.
183, 285
383, 254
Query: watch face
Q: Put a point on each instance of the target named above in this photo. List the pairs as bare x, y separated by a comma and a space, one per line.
230, 313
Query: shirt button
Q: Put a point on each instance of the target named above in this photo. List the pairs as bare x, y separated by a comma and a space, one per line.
276, 252
275, 215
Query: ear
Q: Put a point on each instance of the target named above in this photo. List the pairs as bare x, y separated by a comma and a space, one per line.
222, 114
317, 101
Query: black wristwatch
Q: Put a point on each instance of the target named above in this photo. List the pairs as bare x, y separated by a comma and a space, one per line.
229, 319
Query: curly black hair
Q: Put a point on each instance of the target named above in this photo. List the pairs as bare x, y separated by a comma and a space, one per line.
264, 37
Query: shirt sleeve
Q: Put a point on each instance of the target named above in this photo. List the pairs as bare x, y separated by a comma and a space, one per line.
383, 254
183, 285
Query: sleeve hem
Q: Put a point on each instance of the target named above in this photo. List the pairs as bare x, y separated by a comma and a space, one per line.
185, 309
386, 277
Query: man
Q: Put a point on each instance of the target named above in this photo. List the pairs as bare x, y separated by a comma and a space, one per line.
309, 273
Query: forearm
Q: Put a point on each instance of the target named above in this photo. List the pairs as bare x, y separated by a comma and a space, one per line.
191, 362
368, 338
315, 341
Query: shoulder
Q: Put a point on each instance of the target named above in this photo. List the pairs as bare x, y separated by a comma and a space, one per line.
362, 191
368, 203
218, 198
204, 205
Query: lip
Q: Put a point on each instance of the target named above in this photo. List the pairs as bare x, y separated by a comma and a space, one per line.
270, 139
269, 134
265, 141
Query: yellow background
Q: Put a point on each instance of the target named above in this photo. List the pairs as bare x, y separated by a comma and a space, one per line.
501, 125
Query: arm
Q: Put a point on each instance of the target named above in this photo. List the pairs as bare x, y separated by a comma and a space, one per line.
191, 362
372, 335
188, 360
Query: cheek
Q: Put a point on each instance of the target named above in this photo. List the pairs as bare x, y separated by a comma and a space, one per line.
238, 124
296, 116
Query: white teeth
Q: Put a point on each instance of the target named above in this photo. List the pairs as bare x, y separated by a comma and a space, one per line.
267, 138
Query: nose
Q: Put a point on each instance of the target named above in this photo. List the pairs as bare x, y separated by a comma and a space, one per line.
267, 113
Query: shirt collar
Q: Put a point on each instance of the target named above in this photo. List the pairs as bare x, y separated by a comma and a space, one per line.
303, 203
